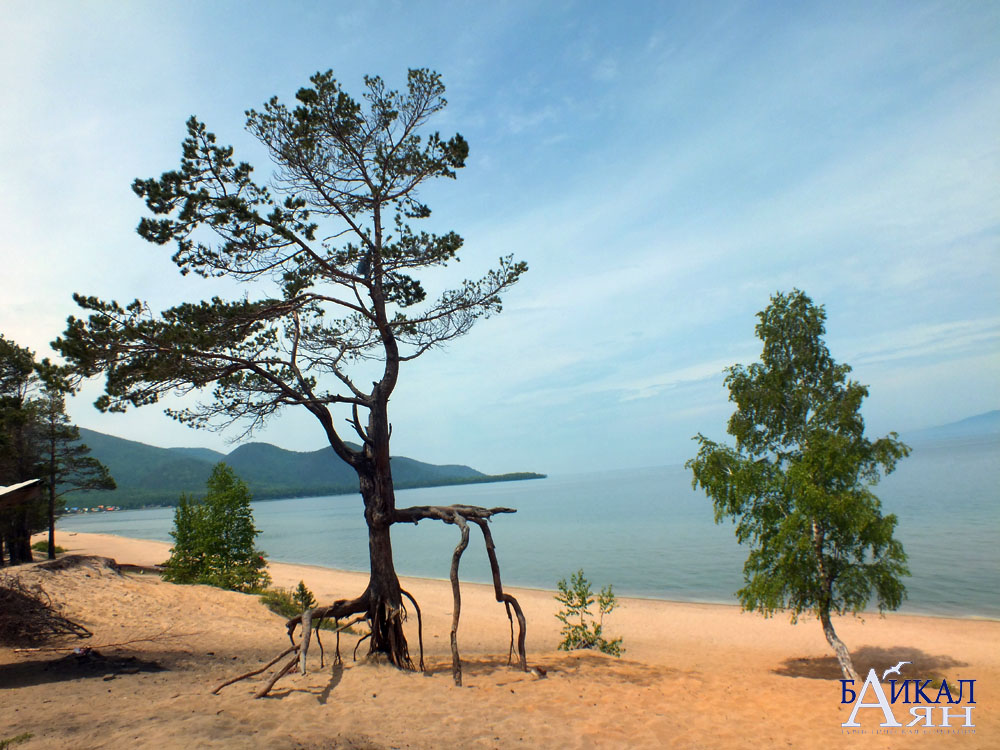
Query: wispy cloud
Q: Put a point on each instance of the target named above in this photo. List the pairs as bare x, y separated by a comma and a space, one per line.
663, 171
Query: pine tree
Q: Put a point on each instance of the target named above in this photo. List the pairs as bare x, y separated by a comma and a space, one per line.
66, 465
304, 597
330, 245
37, 441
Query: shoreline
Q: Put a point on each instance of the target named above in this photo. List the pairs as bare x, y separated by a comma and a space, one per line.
973, 617
331, 582
692, 674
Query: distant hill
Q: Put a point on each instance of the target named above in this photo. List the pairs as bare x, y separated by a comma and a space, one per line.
148, 475
980, 425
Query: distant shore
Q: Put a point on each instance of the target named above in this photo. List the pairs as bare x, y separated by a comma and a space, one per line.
124, 498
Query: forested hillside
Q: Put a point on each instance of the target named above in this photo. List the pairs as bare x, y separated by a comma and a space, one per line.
148, 475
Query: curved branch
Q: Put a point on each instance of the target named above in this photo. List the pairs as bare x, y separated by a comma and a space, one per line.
255, 672
446, 513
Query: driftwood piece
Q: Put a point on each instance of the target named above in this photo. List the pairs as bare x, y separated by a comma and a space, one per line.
277, 676
28, 615
255, 672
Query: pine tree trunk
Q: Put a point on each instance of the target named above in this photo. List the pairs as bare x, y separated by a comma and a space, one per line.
385, 599
843, 655
52, 519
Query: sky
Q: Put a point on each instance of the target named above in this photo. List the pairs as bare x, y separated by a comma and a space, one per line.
663, 168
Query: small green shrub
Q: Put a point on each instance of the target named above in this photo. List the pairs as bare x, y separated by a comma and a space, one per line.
43, 546
281, 602
289, 603
304, 597
580, 630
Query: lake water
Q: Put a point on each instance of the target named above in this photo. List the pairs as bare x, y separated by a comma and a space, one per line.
645, 531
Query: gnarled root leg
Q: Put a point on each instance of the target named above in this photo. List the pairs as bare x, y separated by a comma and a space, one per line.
508, 600
456, 662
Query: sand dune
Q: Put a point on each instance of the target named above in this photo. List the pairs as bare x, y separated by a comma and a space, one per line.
693, 675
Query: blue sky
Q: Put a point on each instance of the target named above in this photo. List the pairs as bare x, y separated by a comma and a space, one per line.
662, 167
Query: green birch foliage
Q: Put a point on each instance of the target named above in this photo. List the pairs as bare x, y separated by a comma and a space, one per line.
798, 482
581, 630
214, 540
186, 556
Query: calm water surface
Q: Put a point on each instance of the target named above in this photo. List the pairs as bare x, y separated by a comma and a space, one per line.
646, 531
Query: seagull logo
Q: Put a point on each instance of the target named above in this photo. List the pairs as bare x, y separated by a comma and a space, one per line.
894, 670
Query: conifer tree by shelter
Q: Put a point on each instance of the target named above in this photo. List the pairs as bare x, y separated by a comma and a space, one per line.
37, 441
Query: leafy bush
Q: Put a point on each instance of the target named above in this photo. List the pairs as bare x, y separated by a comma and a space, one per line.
214, 538
288, 603
580, 631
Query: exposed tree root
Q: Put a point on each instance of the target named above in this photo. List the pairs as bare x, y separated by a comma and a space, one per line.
385, 620
420, 625
456, 662
458, 515
360, 641
508, 600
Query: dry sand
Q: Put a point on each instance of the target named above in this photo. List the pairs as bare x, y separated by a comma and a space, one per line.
693, 675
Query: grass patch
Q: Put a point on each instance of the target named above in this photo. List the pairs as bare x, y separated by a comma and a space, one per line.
43, 546
11, 741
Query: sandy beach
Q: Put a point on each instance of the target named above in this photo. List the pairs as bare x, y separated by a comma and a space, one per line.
692, 676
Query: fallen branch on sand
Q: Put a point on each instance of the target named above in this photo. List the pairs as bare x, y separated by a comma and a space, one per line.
163, 635
27, 614
308, 621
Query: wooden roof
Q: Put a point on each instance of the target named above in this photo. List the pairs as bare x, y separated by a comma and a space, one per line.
16, 494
